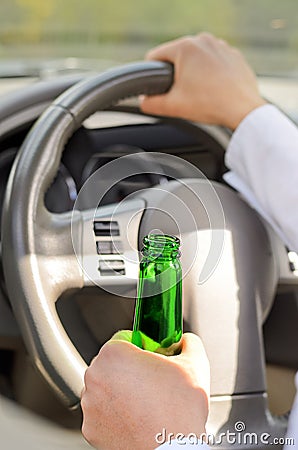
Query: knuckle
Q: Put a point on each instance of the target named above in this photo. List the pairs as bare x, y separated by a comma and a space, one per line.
87, 432
84, 403
223, 42
187, 42
206, 37
106, 355
84, 429
187, 46
88, 377
110, 353
108, 350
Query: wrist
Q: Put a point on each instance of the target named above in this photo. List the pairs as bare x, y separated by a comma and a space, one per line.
243, 110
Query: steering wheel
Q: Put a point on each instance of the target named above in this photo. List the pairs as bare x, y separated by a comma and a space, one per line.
46, 254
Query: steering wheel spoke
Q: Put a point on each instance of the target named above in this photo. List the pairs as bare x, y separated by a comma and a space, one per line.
55, 257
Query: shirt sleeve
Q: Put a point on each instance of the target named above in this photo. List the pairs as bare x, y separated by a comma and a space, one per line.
263, 160
183, 443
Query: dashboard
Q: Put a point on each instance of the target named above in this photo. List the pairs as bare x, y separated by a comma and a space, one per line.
91, 147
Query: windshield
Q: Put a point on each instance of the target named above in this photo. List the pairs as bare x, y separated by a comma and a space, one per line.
91, 34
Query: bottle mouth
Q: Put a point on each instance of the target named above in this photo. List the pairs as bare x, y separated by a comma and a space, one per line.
161, 240
161, 244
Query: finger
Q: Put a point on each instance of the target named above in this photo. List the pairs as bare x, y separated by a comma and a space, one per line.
126, 336
206, 36
223, 42
192, 345
211, 43
168, 51
117, 348
164, 52
117, 344
158, 105
122, 335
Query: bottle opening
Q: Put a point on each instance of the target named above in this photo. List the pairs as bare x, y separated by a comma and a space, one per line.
161, 240
161, 245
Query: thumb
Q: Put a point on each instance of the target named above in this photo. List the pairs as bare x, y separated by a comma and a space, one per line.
122, 335
192, 346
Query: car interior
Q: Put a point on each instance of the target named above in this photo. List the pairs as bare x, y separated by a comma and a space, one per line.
91, 311
85, 175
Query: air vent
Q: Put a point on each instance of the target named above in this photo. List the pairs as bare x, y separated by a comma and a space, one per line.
112, 267
109, 247
106, 228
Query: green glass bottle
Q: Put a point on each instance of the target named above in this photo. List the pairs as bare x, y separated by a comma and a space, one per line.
158, 312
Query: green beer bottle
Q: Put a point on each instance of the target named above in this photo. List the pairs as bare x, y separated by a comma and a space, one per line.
158, 312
